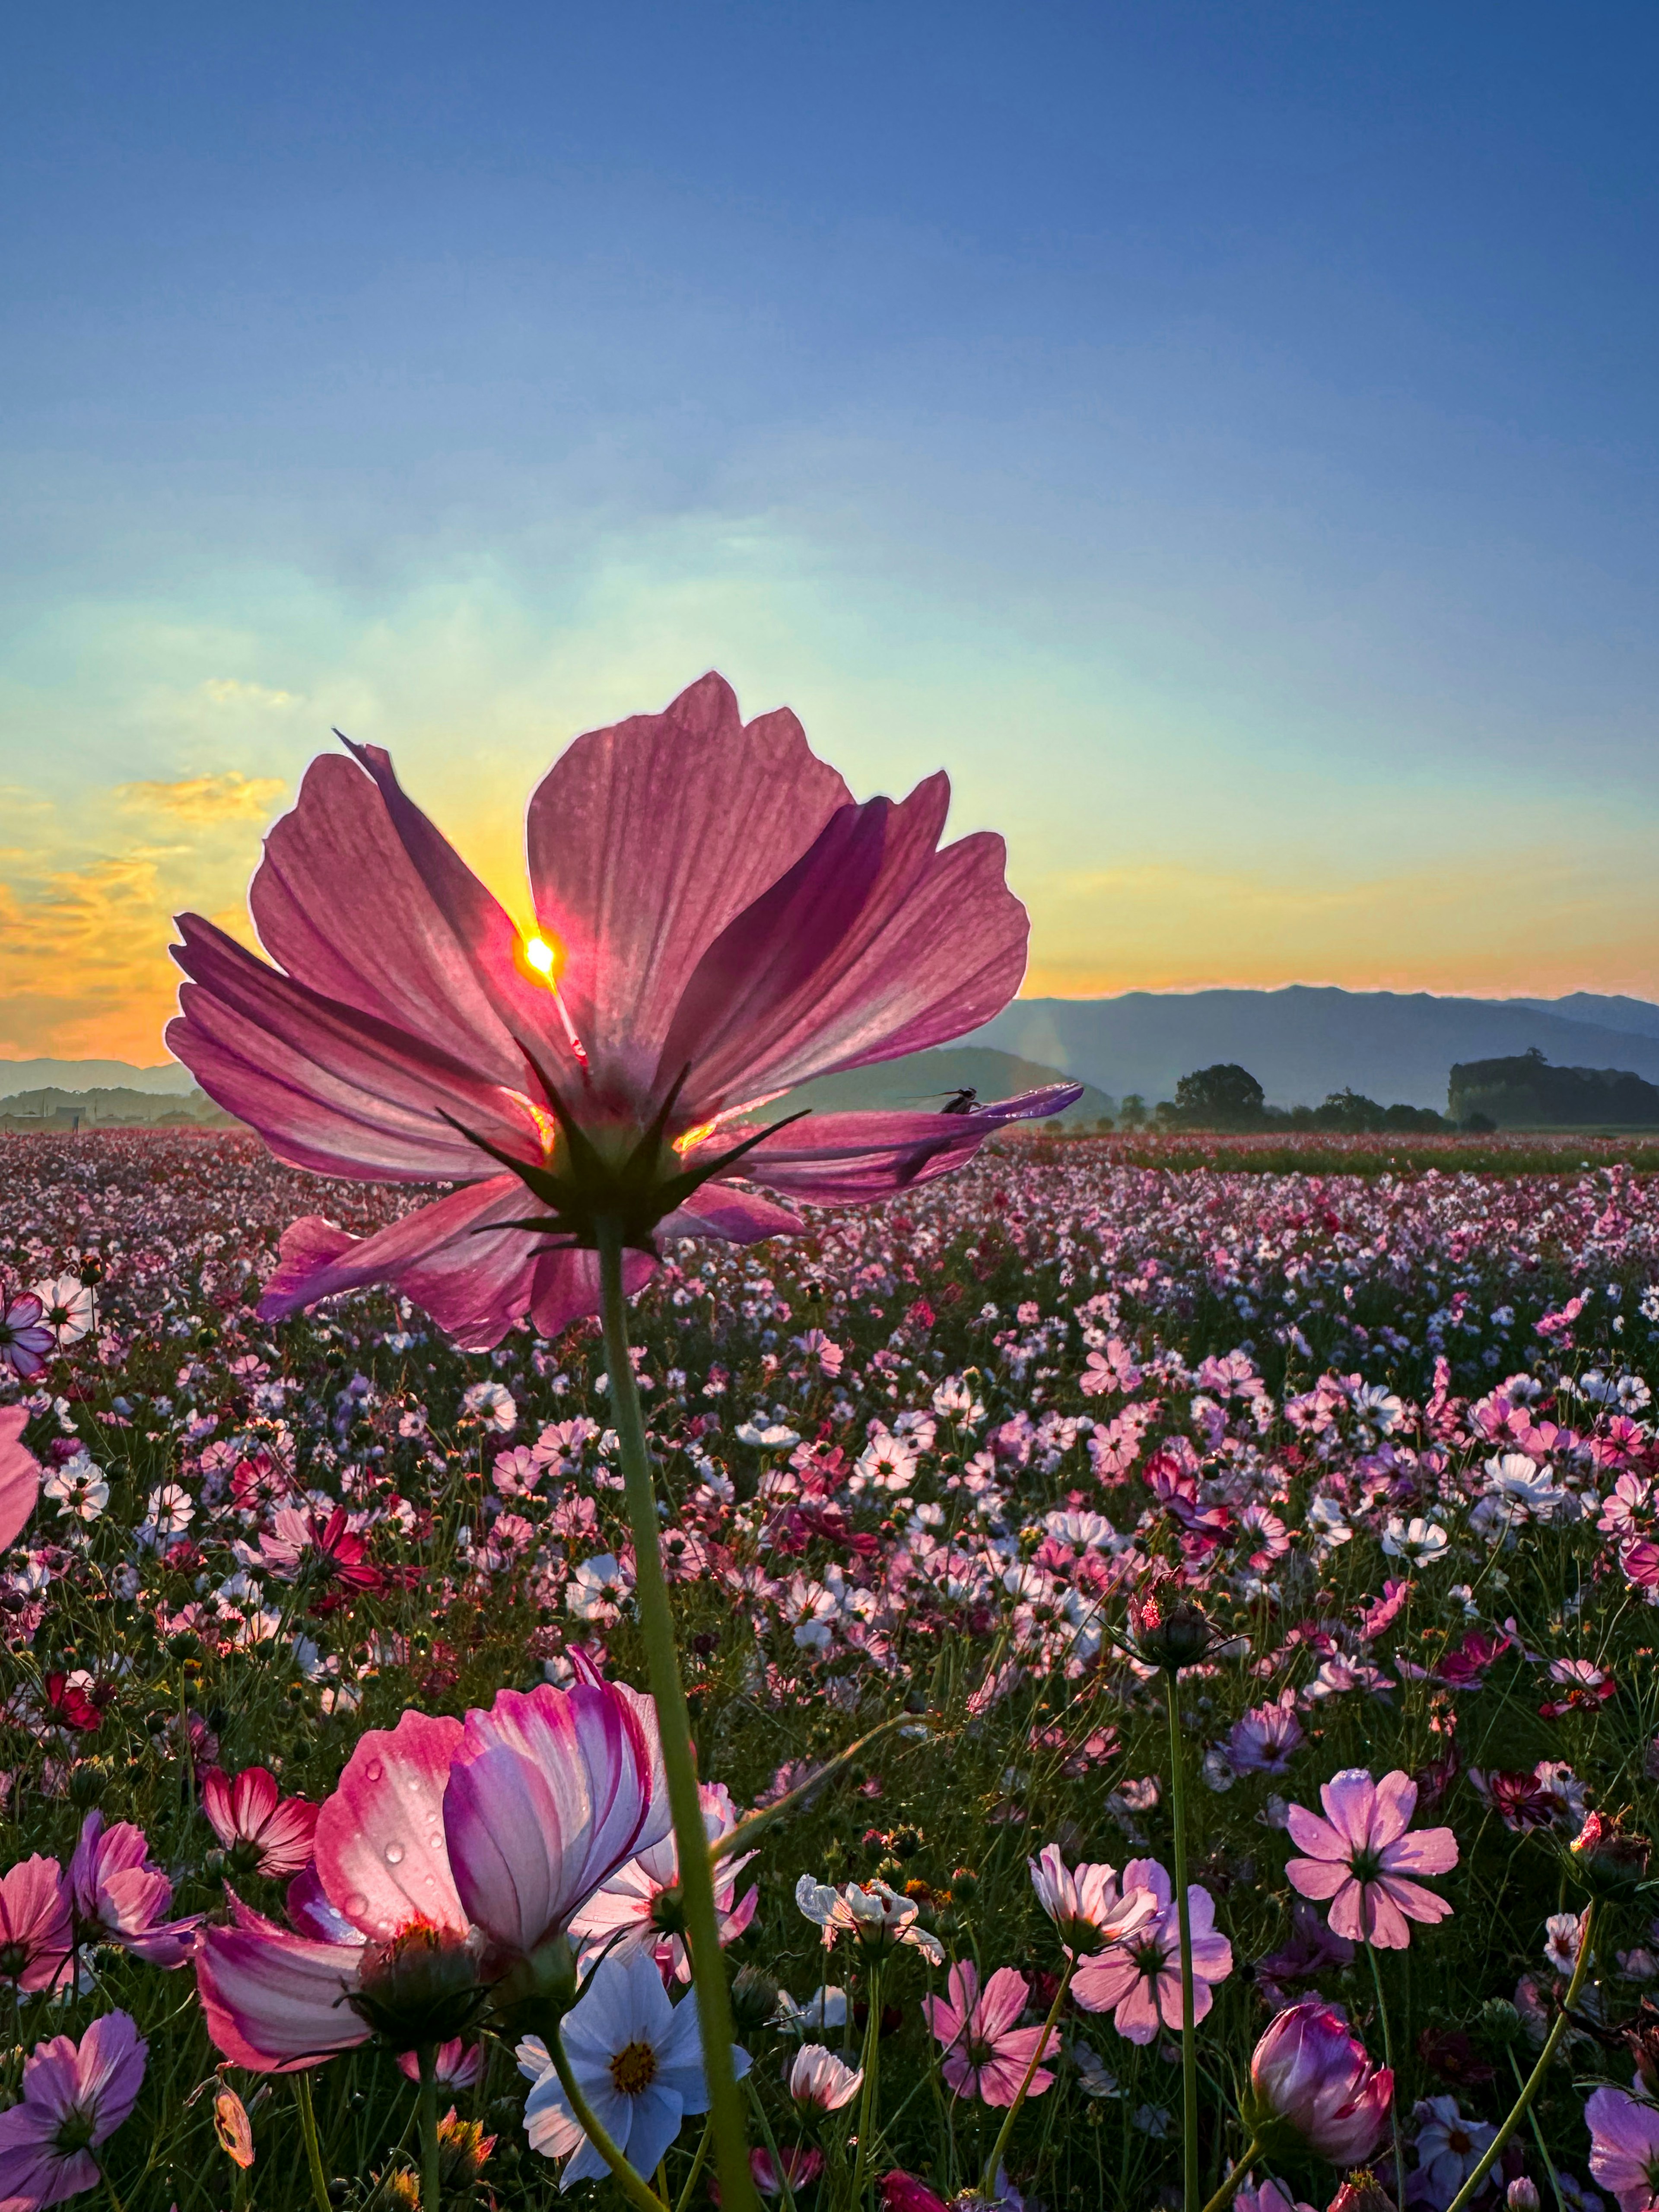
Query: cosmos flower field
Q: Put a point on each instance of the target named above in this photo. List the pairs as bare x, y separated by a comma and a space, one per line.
928, 1469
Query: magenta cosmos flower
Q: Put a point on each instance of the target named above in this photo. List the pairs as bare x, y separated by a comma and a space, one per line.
262, 1831
1309, 2069
75, 2097
984, 2054
34, 1924
20, 1475
1359, 1855
717, 920
451, 1852
1625, 2147
1138, 1980
26, 1341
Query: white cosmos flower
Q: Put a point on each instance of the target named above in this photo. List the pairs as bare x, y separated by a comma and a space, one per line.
638, 2061
70, 1308
876, 1916
1422, 1541
493, 1404
171, 1509
78, 1488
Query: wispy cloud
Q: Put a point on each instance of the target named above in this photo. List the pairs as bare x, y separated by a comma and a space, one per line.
231, 797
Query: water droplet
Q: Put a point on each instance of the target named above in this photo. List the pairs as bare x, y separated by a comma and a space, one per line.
357, 1903
394, 1854
373, 1771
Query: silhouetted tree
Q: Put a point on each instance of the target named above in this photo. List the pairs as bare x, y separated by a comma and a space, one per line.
1225, 1096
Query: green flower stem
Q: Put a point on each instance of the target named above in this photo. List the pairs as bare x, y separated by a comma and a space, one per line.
1388, 2060
313, 2148
1223, 2196
429, 2183
1538, 2137
704, 2141
771, 2142
1183, 1915
697, 1879
988, 2184
636, 2190
1522, 2104
867, 2097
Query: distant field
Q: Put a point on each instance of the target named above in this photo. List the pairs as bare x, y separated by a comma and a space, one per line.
1510, 1152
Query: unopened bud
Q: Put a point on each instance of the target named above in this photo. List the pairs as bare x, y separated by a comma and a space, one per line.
1173, 1639
1499, 2020
1606, 1860
1521, 2195
753, 2000
1362, 2192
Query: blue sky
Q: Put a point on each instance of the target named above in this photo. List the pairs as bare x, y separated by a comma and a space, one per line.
1222, 436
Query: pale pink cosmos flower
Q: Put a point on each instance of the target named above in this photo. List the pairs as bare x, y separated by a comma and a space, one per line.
20, 1475
628, 1906
821, 2082
984, 2054
119, 1898
75, 2097
1138, 1981
1359, 1856
34, 1924
1625, 2147
449, 1851
1084, 1903
717, 922
68, 1308
455, 2064
262, 1831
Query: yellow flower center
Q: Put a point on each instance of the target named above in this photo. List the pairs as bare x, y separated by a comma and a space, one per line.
634, 2069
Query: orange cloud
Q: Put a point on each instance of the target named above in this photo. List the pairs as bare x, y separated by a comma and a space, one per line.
203, 799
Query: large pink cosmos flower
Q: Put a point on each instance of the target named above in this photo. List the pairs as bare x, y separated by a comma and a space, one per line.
20, 1475
984, 2054
119, 1898
1359, 1854
75, 2097
717, 922
34, 1923
1625, 2147
1138, 1980
450, 1851
262, 1831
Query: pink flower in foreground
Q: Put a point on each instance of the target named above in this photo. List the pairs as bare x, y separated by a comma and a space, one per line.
1309, 2069
1360, 1854
450, 1851
1625, 2147
630, 1900
74, 2099
34, 1923
25, 1339
20, 1475
718, 921
1138, 1981
119, 1898
985, 2055
262, 1831
821, 2082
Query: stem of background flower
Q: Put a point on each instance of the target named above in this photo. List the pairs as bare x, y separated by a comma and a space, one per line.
1522, 2104
771, 2141
1388, 2060
637, 2191
313, 2148
1538, 2137
867, 2095
429, 2183
1183, 1920
1223, 2196
988, 2184
696, 2167
697, 1879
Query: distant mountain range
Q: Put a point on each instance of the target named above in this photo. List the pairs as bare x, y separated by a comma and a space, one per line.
1302, 1044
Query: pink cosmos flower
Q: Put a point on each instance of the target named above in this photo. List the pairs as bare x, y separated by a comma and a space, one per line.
20, 1475
456, 2064
1309, 2069
34, 1924
450, 1851
1359, 1854
25, 1339
626, 1904
264, 1831
984, 2054
718, 921
1084, 1902
821, 2082
75, 2097
1138, 1981
119, 1898
1625, 2147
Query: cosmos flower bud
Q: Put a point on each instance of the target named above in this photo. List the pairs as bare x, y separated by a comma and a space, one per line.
1606, 1860
753, 2000
1362, 2192
1521, 2195
537, 1992
1309, 2075
1499, 2020
1172, 1637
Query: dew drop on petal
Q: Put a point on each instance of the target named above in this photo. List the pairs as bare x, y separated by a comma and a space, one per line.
355, 1904
394, 1854
373, 1771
